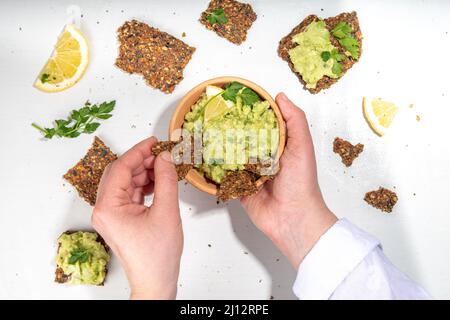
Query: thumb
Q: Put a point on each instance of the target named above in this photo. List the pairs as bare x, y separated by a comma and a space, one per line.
166, 184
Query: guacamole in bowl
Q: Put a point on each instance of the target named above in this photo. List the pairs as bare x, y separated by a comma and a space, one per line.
236, 127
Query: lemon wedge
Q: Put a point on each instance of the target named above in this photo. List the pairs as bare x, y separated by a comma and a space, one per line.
217, 105
68, 62
379, 114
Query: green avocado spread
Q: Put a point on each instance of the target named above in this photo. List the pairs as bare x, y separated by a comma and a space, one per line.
234, 130
82, 258
307, 58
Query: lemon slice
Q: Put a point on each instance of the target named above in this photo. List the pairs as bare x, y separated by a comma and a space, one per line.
217, 105
379, 114
68, 62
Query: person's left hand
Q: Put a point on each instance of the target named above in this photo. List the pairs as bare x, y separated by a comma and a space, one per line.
147, 240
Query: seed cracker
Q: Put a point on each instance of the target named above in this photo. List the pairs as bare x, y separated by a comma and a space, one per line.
181, 168
86, 174
382, 199
287, 44
237, 184
240, 18
157, 55
347, 151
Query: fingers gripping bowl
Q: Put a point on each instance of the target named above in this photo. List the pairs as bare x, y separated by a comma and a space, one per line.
192, 98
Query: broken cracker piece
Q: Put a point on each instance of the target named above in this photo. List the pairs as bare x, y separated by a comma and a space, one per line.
236, 184
158, 56
86, 174
240, 18
347, 151
181, 168
382, 199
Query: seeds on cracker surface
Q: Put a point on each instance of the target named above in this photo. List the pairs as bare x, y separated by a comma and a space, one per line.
346, 150
237, 184
181, 168
158, 56
86, 174
382, 199
230, 19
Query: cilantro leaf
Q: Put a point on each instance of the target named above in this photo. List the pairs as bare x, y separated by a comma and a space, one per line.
343, 32
326, 55
79, 121
249, 97
337, 68
234, 89
79, 255
217, 16
231, 91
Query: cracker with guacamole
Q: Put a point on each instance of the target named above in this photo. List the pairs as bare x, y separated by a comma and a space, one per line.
86, 174
82, 258
320, 51
158, 56
230, 19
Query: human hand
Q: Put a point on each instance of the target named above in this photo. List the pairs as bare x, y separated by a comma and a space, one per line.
147, 240
290, 209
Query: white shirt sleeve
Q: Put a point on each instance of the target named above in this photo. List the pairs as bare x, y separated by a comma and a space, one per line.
348, 263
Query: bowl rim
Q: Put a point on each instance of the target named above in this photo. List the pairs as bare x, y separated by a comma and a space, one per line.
194, 177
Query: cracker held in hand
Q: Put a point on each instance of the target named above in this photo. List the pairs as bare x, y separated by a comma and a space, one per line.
230, 19
347, 151
320, 51
159, 57
181, 168
237, 184
86, 174
382, 199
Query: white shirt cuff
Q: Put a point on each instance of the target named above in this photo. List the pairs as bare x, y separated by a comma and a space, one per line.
334, 256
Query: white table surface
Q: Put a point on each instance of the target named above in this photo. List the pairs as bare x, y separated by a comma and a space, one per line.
405, 59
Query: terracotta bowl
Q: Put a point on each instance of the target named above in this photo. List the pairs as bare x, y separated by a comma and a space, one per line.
185, 105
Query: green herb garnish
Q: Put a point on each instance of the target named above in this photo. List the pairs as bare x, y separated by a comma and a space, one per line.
234, 89
79, 255
45, 77
337, 57
80, 121
217, 16
343, 32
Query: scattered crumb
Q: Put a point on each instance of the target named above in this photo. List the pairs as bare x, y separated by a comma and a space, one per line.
133, 126
411, 106
183, 34
245, 252
418, 118
382, 199
209, 245
271, 297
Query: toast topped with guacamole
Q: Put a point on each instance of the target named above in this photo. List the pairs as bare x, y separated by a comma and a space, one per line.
320, 51
82, 258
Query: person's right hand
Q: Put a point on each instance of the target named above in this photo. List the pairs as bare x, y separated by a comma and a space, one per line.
290, 209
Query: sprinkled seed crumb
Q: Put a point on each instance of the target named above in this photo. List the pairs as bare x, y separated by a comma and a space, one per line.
382, 199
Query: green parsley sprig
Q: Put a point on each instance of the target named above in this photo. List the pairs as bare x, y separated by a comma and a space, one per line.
234, 89
79, 255
217, 16
336, 57
343, 32
80, 121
